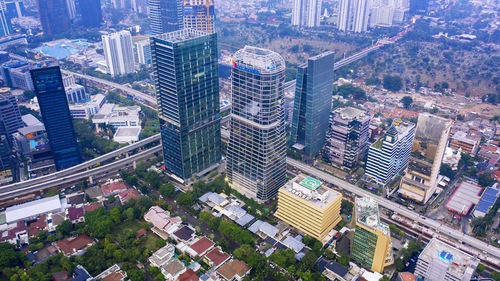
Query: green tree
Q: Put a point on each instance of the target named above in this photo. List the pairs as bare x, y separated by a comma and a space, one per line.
447, 171
407, 101
64, 228
344, 260
9, 257
384, 278
98, 222
393, 83
480, 268
495, 275
115, 215
129, 213
167, 190
485, 180
185, 199
205, 216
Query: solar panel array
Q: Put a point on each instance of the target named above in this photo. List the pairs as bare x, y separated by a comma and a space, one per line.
489, 198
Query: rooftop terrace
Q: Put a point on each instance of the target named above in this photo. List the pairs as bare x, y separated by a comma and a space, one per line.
311, 190
367, 214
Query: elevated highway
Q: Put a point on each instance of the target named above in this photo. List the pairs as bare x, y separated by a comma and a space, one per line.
8, 189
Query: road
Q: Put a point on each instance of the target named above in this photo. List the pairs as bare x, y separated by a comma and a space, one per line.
151, 100
85, 165
117, 165
403, 211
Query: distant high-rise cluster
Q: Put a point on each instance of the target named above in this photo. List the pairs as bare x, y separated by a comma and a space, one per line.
357, 15
119, 52
256, 156
306, 13
9, 9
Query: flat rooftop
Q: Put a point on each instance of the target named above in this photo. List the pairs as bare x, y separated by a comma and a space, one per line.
458, 262
311, 190
33, 208
367, 214
466, 195
128, 131
181, 35
350, 113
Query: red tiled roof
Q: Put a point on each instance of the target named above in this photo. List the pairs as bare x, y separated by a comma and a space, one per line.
113, 187
68, 247
232, 268
92, 206
188, 275
11, 233
141, 232
75, 213
202, 245
217, 257
60, 276
35, 227
128, 194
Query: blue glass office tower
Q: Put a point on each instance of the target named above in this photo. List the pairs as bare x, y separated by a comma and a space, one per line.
56, 116
187, 90
313, 103
165, 16
54, 17
91, 12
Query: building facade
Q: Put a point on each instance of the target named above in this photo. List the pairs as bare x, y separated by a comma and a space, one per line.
6, 163
56, 116
143, 52
307, 205
371, 245
119, 52
91, 12
442, 262
187, 83
389, 156
165, 16
431, 137
312, 105
347, 137
354, 15
10, 115
460, 141
256, 164
306, 13
54, 16
199, 15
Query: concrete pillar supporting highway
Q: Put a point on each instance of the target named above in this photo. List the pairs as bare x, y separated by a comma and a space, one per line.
91, 180
134, 164
126, 155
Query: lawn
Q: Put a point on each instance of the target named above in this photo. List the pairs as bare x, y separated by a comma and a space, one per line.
124, 230
150, 243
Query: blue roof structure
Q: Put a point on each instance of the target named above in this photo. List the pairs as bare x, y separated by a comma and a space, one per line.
488, 199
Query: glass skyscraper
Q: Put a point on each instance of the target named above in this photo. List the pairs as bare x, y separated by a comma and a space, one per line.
54, 16
165, 16
91, 12
56, 116
187, 85
256, 159
313, 103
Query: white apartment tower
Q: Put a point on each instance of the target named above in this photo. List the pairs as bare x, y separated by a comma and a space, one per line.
306, 13
119, 52
389, 156
354, 15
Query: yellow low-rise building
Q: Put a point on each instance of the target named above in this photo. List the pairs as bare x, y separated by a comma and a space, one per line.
308, 205
371, 245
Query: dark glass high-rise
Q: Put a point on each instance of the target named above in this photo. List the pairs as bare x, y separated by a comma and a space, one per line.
54, 16
313, 103
56, 116
91, 12
187, 85
165, 16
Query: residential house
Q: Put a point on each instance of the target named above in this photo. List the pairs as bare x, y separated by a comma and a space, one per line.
74, 246
233, 270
